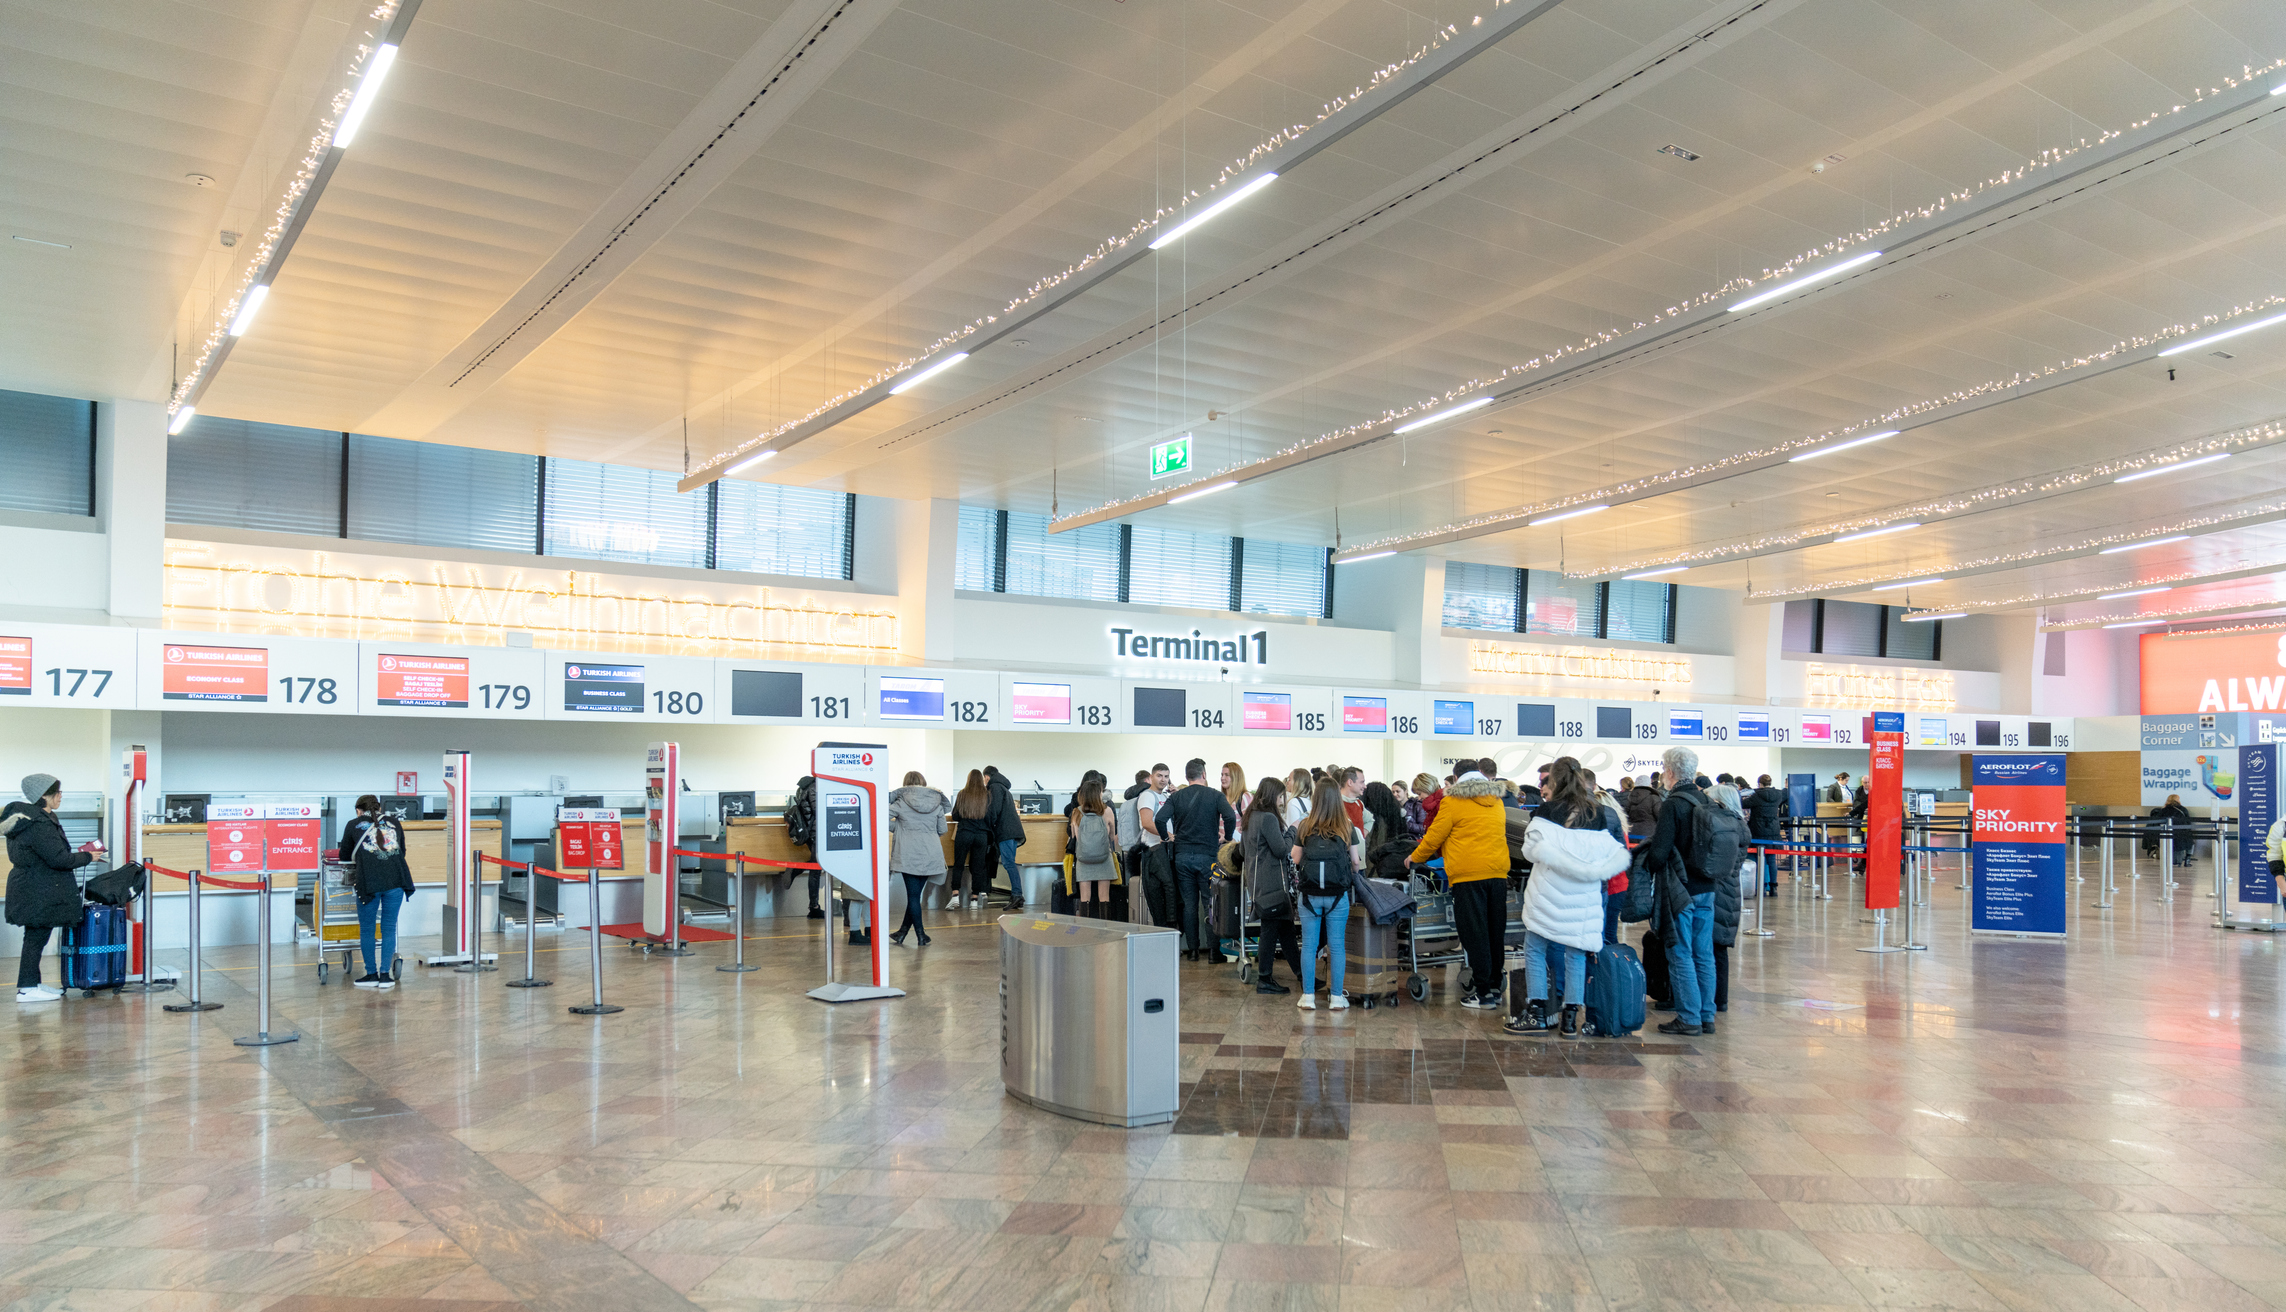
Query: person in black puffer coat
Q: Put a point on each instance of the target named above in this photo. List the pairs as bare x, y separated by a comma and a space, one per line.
42, 895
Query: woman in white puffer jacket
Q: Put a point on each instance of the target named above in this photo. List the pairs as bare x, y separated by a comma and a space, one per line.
1572, 853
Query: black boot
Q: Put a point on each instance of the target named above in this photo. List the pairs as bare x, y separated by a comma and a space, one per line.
816, 912
1263, 983
1533, 1019
1571, 1028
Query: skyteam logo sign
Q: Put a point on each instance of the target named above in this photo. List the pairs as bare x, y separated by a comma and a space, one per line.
2257, 811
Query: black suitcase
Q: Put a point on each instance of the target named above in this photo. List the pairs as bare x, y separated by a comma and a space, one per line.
1653, 954
94, 951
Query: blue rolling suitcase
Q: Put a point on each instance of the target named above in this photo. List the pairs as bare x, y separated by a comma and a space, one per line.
1614, 992
94, 951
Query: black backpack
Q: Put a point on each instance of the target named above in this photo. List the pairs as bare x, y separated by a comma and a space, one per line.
1718, 840
802, 814
1325, 868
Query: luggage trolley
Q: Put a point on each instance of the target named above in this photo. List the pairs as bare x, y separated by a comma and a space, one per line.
331, 917
1432, 939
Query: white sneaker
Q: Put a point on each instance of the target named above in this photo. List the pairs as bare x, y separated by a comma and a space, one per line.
1308, 1002
38, 993
1337, 1003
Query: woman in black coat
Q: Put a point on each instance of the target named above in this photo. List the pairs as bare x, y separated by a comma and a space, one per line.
42, 894
373, 844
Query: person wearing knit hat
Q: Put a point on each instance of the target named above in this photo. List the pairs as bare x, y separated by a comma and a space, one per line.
42, 894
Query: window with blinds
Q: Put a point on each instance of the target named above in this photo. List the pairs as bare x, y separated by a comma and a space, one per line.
47, 445
1170, 567
1282, 578
232, 473
762, 528
1480, 596
976, 556
614, 512
1082, 564
1641, 611
1851, 628
1565, 607
442, 496
1916, 641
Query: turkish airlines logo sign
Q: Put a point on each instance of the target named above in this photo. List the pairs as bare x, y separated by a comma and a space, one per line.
2192, 674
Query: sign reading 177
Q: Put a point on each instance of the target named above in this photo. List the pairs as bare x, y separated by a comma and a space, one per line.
1171, 457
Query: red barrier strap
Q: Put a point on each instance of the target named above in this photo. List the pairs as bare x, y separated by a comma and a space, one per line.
531, 869
244, 886
762, 862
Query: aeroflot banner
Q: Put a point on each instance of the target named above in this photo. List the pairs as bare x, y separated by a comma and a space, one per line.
2192, 674
2017, 845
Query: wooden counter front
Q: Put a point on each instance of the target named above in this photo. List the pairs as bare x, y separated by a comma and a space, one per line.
183, 847
764, 838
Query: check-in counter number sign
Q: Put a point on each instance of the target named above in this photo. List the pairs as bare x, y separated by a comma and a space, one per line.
215, 674
439, 681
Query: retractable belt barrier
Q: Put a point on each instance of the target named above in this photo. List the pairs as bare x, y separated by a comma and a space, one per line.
193, 878
261, 1037
596, 1005
738, 964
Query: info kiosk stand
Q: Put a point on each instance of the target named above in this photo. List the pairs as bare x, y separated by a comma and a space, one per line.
127, 841
850, 839
662, 825
464, 882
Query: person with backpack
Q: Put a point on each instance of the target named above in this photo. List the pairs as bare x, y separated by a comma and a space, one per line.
1095, 859
917, 819
1471, 831
1270, 882
802, 831
1692, 841
1198, 819
1573, 845
976, 842
1325, 870
43, 895
1766, 812
373, 844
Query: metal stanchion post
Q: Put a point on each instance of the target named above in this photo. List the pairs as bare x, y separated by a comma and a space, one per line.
2166, 867
738, 919
263, 1038
476, 965
531, 933
1761, 912
595, 950
195, 1003
1913, 898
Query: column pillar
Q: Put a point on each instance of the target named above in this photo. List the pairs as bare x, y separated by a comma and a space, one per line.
131, 503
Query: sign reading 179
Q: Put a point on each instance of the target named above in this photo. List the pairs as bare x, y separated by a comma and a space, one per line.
1169, 458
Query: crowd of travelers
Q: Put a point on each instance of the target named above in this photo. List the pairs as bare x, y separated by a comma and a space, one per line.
1569, 846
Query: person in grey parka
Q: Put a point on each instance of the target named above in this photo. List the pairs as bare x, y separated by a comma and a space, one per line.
917, 822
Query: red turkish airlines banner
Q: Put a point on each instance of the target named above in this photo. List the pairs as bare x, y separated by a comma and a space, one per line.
16, 667
234, 846
1884, 821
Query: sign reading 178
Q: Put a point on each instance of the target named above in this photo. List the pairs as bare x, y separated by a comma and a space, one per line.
1171, 457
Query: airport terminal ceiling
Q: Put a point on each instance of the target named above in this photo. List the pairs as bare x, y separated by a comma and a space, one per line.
544, 240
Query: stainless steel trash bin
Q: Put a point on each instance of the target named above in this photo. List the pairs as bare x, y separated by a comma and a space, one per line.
1090, 1017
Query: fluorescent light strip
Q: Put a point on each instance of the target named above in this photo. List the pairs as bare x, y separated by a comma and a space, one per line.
1444, 414
1375, 556
2223, 336
1933, 615
1842, 446
1911, 583
2138, 546
749, 462
248, 305
1569, 514
1877, 532
2169, 469
2135, 624
368, 90
1653, 573
1210, 211
1806, 280
2133, 592
1206, 492
930, 372
182, 419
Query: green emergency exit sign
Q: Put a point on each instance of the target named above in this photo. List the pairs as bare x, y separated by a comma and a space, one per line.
1171, 457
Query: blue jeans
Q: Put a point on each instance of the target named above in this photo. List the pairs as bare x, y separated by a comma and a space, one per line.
1008, 863
1690, 961
384, 907
1536, 951
1326, 917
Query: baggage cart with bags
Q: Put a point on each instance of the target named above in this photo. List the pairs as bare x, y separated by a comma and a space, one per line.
331, 917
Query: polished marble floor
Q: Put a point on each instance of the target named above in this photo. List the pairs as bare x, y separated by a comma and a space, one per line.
2094, 1123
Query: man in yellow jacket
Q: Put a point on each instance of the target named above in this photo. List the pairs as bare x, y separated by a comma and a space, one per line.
1471, 830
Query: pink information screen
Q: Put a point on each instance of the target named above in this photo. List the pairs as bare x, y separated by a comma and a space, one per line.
1267, 710
1041, 703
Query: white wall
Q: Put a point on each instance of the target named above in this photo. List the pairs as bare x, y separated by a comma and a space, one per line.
2102, 675
71, 745
57, 569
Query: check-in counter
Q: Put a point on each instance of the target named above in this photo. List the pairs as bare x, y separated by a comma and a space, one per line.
183, 847
763, 838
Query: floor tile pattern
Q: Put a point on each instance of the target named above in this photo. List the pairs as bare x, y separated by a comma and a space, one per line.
1994, 1124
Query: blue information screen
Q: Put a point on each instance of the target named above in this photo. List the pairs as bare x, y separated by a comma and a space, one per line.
1753, 727
912, 699
1453, 717
1689, 726
607, 689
